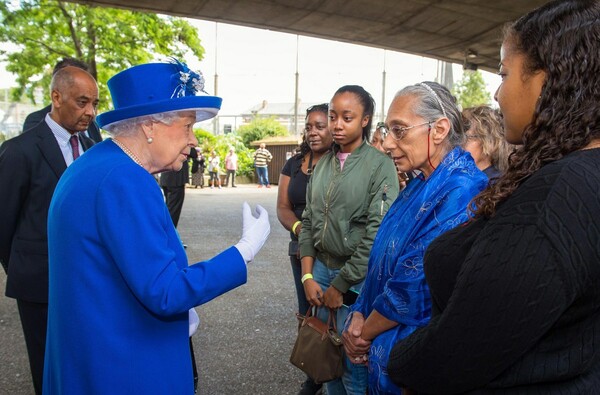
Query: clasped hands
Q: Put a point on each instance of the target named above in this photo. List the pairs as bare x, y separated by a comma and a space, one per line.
357, 348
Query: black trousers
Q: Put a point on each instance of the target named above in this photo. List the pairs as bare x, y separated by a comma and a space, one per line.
232, 174
34, 319
174, 199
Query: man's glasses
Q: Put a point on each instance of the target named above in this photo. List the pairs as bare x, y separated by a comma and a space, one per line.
398, 132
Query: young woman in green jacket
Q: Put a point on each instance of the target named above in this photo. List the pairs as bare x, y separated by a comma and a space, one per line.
349, 193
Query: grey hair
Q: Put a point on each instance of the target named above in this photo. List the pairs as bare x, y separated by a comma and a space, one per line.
129, 127
436, 101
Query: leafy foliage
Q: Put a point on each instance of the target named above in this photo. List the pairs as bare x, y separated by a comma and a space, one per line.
108, 40
260, 128
471, 91
222, 143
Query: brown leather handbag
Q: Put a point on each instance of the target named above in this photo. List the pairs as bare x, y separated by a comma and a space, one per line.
318, 349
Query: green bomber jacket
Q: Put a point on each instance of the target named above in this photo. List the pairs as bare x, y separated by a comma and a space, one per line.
344, 209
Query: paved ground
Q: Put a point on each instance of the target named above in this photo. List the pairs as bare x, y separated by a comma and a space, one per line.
245, 337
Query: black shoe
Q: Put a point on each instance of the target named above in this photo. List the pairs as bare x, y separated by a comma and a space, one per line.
309, 387
184, 245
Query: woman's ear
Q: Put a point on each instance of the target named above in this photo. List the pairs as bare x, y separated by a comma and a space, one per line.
365, 120
147, 129
439, 130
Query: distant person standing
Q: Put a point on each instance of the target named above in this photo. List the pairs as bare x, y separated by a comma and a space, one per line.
198, 166
214, 162
262, 157
231, 165
30, 167
36, 117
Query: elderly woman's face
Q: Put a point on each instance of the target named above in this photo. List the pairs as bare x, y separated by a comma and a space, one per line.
377, 140
474, 147
172, 143
410, 151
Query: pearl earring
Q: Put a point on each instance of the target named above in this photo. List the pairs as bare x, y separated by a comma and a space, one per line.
150, 140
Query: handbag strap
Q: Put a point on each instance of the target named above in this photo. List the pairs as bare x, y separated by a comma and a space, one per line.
331, 319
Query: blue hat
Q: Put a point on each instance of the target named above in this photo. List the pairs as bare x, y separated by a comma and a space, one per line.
155, 88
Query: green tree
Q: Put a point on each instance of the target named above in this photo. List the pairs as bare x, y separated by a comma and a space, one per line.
222, 143
260, 128
470, 90
108, 40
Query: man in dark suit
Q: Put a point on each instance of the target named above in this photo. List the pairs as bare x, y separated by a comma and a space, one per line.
173, 186
38, 116
30, 167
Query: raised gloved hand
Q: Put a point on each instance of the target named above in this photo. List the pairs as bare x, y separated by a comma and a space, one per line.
255, 230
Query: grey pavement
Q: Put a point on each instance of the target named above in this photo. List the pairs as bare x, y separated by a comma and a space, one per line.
245, 337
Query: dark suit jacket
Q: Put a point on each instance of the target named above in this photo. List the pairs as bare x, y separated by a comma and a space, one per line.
38, 116
30, 166
176, 178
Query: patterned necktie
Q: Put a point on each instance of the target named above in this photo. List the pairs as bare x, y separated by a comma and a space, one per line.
75, 146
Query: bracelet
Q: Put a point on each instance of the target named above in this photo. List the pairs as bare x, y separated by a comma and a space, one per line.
307, 276
295, 226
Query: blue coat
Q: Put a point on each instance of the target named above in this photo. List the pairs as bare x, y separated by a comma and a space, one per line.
395, 285
120, 284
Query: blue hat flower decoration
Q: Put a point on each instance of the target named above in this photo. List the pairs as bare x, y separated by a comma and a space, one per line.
155, 88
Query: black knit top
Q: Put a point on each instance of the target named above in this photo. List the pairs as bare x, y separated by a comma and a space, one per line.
516, 299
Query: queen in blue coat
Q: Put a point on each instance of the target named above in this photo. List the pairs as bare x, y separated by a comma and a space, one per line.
423, 131
121, 292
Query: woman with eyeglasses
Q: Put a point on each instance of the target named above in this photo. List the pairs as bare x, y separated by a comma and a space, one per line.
516, 302
485, 140
423, 131
291, 198
347, 197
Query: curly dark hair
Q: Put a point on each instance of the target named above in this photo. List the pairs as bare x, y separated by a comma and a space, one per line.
561, 38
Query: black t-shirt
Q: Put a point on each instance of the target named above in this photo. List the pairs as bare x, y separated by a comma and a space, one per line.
297, 185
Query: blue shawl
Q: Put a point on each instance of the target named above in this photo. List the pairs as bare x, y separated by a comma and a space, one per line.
395, 285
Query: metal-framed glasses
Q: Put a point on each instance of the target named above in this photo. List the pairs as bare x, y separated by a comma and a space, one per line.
398, 132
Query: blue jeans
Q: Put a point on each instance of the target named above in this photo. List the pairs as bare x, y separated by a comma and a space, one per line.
354, 381
303, 304
263, 175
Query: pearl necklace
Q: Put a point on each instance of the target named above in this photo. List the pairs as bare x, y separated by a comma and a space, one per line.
128, 152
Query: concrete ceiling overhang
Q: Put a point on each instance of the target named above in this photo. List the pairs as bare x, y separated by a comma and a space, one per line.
457, 31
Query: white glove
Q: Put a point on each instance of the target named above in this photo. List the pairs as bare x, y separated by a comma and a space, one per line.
255, 230
194, 321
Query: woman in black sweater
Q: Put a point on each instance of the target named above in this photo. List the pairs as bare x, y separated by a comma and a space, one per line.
515, 292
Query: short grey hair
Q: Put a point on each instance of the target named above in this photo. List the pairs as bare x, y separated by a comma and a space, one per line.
436, 101
129, 127
61, 80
